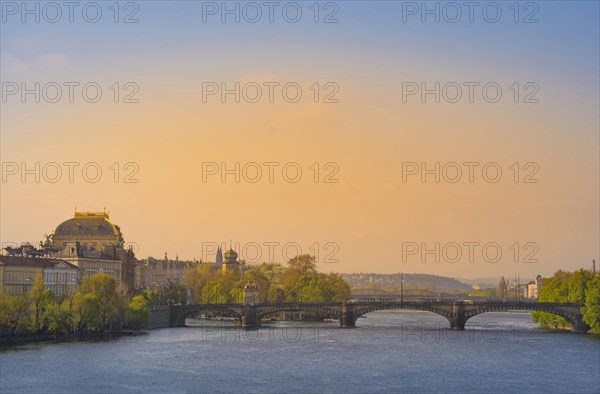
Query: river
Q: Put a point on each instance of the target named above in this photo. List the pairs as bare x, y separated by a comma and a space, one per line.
396, 351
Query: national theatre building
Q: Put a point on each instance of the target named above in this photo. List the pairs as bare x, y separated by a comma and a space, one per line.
93, 243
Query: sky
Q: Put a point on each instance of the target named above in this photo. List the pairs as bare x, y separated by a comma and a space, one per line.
343, 178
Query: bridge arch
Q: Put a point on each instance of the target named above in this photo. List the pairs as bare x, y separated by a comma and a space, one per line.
331, 311
438, 310
180, 313
570, 314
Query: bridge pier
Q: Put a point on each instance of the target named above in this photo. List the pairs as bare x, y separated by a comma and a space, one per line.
457, 319
580, 326
250, 318
347, 320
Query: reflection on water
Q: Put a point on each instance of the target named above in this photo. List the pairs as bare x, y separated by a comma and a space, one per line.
396, 351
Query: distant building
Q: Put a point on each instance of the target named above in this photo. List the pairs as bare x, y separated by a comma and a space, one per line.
153, 273
534, 287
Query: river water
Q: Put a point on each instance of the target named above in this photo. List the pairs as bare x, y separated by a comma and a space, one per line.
396, 351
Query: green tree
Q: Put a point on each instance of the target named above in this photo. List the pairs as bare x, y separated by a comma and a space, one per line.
59, 317
276, 293
336, 288
196, 279
578, 285
567, 287
219, 291
86, 312
137, 314
14, 312
104, 290
591, 310
121, 301
317, 287
174, 294
302, 265
39, 297
152, 296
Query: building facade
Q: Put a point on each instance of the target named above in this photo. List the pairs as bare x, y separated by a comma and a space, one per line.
534, 287
17, 274
61, 278
152, 273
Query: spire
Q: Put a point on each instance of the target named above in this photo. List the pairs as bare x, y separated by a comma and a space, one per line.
219, 258
166, 258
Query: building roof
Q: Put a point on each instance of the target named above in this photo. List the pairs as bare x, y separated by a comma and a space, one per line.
57, 262
88, 224
32, 262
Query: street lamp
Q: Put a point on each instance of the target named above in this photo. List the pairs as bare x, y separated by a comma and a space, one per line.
401, 288
28, 279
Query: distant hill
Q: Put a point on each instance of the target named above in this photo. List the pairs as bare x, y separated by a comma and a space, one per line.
490, 283
411, 281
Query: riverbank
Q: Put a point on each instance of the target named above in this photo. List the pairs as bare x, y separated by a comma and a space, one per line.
7, 342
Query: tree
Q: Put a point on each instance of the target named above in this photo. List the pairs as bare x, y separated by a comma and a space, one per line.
103, 288
152, 296
14, 311
39, 297
502, 288
591, 310
276, 293
554, 289
86, 312
302, 265
59, 317
337, 289
579, 286
174, 294
317, 287
196, 279
121, 301
137, 314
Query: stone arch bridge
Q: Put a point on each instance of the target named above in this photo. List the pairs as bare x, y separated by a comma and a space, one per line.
457, 312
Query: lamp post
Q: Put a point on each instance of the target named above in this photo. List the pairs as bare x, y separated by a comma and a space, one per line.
28, 279
401, 288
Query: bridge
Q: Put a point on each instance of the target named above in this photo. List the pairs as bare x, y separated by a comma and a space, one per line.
457, 312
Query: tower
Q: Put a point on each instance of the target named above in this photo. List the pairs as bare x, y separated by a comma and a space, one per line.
231, 263
219, 259
251, 294
538, 286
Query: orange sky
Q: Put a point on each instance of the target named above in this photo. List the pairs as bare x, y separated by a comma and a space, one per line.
366, 216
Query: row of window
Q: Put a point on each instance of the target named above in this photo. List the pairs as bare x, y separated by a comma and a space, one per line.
63, 277
18, 276
99, 266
